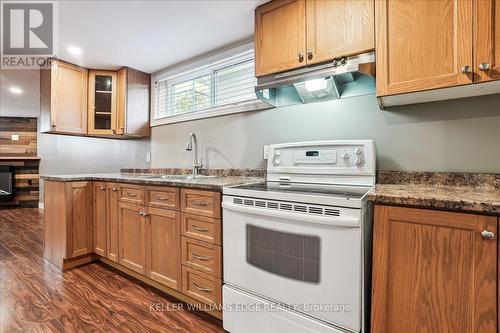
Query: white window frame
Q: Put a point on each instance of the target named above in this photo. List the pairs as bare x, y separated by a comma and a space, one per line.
193, 69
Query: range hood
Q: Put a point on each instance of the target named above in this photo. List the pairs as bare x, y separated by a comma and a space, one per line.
340, 78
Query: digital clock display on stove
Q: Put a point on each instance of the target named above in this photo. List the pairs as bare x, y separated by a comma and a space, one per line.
312, 153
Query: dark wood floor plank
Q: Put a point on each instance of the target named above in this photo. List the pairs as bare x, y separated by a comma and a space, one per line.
36, 297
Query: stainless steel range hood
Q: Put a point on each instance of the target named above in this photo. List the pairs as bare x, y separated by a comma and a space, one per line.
344, 77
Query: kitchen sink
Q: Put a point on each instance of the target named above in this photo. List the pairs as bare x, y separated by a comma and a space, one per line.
180, 177
186, 177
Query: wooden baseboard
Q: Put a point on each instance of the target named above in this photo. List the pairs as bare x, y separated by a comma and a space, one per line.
172, 292
75, 262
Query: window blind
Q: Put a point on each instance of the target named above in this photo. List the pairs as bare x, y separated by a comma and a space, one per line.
225, 82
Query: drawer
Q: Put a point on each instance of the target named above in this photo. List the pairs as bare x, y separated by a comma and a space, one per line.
132, 193
162, 197
198, 202
202, 256
202, 287
202, 228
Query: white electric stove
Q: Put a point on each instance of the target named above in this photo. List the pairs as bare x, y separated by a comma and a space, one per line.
297, 247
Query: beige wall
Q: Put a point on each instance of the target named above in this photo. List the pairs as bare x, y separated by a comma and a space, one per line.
459, 135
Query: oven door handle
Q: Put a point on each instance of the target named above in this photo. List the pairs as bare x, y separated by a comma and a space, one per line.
299, 217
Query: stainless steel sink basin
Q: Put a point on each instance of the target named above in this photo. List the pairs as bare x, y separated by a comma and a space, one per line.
186, 177
181, 177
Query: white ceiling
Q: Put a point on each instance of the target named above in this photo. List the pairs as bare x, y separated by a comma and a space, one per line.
150, 35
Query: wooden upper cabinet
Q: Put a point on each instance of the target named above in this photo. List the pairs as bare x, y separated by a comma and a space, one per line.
487, 40
280, 36
102, 112
422, 45
75, 100
433, 271
290, 34
63, 98
133, 102
339, 28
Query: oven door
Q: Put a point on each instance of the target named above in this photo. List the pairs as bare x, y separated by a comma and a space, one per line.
311, 264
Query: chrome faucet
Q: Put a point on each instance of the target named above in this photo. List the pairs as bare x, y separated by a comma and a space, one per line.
192, 141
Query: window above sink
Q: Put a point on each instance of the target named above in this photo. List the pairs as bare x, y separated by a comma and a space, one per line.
220, 84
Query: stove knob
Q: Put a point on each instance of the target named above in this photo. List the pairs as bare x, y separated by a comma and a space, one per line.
345, 156
277, 153
358, 151
358, 161
277, 161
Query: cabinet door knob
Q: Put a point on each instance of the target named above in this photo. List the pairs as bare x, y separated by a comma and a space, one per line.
484, 66
102, 188
488, 235
114, 189
466, 69
309, 54
301, 56
141, 213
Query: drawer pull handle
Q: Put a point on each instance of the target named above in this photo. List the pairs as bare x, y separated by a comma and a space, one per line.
207, 290
199, 203
133, 195
162, 198
202, 258
199, 229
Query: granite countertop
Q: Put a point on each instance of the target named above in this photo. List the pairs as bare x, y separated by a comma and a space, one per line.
476, 193
214, 184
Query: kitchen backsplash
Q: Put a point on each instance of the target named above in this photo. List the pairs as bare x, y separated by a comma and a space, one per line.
459, 135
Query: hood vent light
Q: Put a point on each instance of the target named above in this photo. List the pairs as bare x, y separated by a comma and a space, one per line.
341, 78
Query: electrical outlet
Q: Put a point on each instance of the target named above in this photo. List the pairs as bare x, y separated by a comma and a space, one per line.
15, 137
148, 157
266, 152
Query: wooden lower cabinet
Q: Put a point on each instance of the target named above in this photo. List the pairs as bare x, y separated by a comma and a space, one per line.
163, 244
202, 228
112, 210
132, 235
139, 230
68, 221
205, 203
202, 287
433, 271
100, 219
202, 256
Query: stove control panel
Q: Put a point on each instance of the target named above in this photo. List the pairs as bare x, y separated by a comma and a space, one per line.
315, 157
327, 157
332, 161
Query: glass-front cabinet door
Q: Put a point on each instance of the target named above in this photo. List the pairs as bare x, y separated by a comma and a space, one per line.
102, 102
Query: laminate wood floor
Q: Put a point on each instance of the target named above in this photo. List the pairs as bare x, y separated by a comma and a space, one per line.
36, 297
